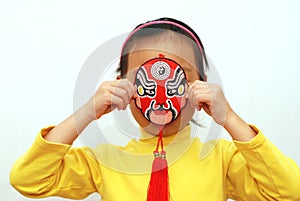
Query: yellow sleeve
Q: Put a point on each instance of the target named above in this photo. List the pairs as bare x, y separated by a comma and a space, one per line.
257, 170
52, 169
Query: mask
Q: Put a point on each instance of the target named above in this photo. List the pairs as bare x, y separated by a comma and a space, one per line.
161, 86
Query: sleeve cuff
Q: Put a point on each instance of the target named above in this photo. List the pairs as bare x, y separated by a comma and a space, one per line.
51, 146
254, 143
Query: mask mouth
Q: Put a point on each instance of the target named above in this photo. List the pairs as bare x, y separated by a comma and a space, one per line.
160, 114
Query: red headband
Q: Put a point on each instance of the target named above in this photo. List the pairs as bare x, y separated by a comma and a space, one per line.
164, 22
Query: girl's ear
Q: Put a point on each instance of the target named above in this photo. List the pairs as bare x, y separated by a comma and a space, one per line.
118, 77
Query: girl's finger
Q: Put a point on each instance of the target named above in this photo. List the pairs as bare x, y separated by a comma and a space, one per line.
126, 85
122, 89
199, 95
113, 101
121, 94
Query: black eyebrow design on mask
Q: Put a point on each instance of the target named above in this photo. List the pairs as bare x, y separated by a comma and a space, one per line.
178, 79
143, 80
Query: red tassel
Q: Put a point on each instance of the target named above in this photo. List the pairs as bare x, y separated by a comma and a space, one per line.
158, 189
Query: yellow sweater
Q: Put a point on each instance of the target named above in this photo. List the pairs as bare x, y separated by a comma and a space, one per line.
253, 171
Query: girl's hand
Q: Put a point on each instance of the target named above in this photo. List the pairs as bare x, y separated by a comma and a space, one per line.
211, 98
109, 96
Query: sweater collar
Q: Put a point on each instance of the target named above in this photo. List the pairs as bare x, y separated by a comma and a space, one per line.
181, 136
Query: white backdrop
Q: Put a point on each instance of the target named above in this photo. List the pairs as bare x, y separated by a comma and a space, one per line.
43, 45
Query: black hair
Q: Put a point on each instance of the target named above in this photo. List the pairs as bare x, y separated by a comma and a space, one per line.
156, 29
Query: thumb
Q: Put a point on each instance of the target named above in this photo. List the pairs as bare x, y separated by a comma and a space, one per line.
206, 108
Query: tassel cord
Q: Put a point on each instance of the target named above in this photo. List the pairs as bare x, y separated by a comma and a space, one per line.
158, 189
160, 141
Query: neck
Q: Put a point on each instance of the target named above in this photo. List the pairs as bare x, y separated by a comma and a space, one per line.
167, 130
179, 138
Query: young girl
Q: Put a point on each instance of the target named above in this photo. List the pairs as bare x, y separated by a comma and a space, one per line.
162, 79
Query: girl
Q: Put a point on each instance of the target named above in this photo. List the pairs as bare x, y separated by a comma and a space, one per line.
162, 79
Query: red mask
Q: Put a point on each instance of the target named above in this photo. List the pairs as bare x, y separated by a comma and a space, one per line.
161, 86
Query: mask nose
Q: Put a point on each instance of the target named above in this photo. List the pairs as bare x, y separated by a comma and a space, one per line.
161, 98
163, 106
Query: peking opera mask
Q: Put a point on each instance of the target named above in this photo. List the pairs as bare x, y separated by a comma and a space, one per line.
161, 88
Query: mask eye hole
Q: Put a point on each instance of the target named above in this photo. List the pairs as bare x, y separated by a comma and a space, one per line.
140, 90
180, 90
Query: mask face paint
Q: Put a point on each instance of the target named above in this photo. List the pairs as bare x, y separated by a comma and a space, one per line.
161, 86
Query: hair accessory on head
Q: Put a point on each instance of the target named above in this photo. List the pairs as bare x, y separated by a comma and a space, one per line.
171, 23
156, 26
